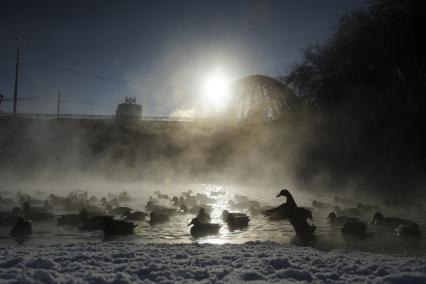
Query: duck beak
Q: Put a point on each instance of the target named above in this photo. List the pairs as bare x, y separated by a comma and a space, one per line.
190, 224
279, 194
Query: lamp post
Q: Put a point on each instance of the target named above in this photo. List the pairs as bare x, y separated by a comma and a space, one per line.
19, 42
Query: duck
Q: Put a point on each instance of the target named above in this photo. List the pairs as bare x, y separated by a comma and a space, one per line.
284, 210
390, 222
22, 228
409, 231
88, 223
297, 216
112, 227
203, 216
200, 230
341, 220
235, 220
157, 218
134, 216
355, 228
352, 212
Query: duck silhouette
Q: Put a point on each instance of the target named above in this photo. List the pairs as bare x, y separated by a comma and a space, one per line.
409, 231
296, 215
201, 230
284, 210
134, 216
390, 222
235, 220
157, 218
22, 228
355, 228
112, 227
341, 220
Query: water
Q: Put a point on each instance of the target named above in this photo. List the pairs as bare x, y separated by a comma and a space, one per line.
327, 237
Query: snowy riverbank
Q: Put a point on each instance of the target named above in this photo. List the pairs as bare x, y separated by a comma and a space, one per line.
170, 263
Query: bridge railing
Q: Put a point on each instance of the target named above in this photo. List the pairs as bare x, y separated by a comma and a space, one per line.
94, 116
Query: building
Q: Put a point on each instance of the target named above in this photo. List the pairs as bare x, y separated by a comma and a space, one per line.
129, 110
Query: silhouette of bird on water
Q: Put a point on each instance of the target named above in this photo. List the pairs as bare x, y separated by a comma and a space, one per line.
284, 210
297, 216
200, 230
157, 218
22, 228
113, 227
409, 231
390, 222
134, 216
341, 220
235, 220
355, 228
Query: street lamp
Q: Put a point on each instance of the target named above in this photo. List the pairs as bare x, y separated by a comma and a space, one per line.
19, 43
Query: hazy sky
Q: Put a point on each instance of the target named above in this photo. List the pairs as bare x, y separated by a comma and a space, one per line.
98, 52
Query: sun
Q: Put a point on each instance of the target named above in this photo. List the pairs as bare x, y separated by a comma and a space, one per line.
216, 90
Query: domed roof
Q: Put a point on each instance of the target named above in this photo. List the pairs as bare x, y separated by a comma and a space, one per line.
260, 97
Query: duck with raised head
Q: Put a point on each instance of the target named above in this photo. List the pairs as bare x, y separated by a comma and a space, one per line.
203, 216
235, 220
157, 218
341, 220
22, 228
112, 227
409, 231
201, 230
355, 228
390, 222
297, 216
284, 210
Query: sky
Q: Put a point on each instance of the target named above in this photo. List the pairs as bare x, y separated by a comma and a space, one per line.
161, 52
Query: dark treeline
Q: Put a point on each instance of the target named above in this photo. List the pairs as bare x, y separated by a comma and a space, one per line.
364, 93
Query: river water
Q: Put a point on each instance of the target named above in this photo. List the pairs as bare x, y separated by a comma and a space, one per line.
327, 236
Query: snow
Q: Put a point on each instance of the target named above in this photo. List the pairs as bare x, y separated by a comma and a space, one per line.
256, 262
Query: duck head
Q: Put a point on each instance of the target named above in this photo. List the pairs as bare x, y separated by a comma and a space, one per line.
194, 222
284, 192
331, 216
378, 218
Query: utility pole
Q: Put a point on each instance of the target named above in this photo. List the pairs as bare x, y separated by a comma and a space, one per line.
15, 91
59, 104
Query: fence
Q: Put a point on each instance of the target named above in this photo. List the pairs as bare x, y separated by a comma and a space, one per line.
89, 116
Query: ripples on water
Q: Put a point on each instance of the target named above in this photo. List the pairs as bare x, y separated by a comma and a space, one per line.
260, 229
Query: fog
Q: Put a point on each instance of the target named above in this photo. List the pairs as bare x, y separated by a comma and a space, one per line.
251, 156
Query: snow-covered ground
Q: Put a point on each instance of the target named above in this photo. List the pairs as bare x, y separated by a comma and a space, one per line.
118, 262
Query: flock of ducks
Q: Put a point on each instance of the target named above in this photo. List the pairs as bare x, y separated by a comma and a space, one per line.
108, 215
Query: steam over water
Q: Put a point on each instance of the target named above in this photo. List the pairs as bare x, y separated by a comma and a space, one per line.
260, 228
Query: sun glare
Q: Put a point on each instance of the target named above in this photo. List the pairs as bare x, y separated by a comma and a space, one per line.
216, 91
